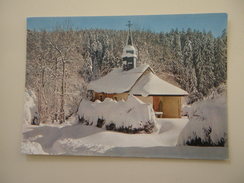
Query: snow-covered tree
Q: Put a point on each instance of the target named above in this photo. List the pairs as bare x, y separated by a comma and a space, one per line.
220, 64
196, 60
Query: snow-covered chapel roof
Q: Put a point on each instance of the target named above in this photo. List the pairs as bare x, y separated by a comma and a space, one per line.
135, 82
150, 84
117, 81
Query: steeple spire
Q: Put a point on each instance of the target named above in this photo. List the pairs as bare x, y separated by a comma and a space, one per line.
129, 52
129, 39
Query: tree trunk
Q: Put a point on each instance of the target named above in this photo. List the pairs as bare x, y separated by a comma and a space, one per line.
55, 116
62, 114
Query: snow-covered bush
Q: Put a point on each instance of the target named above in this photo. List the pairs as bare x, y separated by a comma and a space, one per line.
30, 108
207, 123
29, 147
131, 116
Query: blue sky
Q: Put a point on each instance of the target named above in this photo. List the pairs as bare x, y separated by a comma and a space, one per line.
215, 22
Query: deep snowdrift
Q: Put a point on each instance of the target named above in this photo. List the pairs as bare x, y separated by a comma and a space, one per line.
129, 116
89, 140
207, 122
30, 108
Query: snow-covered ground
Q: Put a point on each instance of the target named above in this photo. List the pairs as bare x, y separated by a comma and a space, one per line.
168, 139
80, 139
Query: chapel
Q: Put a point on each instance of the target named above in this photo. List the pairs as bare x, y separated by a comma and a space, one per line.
140, 81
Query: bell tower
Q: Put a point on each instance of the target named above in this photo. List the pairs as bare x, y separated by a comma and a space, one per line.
129, 56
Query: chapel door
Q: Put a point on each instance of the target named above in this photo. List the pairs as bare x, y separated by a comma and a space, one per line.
156, 103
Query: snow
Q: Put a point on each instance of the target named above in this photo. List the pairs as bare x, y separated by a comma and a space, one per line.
131, 113
30, 147
167, 135
185, 110
84, 140
129, 55
129, 47
75, 144
30, 108
210, 112
117, 81
150, 84
129, 51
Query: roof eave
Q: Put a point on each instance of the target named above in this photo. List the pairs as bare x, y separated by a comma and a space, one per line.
182, 95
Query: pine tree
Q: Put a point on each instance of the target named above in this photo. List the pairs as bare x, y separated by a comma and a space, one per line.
220, 64
189, 81
195, 59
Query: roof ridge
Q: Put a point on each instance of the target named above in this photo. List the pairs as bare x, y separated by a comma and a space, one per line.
148, 67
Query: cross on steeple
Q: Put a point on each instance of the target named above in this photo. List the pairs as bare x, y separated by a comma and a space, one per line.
129, 24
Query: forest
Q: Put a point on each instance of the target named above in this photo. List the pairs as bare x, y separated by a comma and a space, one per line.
61, 63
